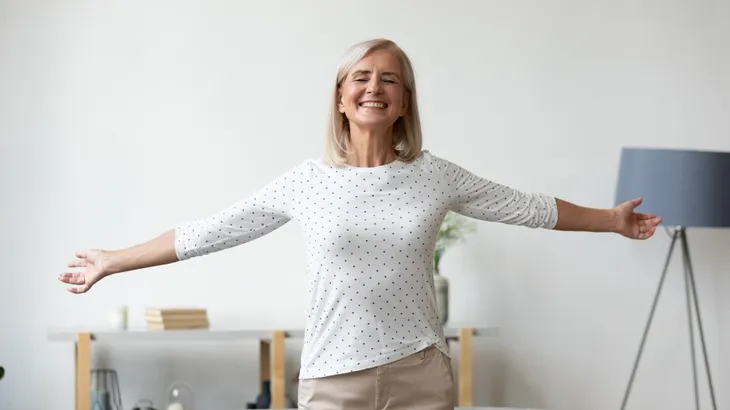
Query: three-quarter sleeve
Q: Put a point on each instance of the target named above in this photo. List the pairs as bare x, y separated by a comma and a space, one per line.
481, 198
243, 221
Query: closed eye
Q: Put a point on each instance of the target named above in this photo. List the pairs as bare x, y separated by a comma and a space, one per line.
363, 80
389, 76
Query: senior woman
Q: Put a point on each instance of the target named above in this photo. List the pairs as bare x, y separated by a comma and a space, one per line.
370, 211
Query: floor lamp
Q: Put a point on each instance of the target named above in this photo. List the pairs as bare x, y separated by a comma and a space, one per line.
689, 189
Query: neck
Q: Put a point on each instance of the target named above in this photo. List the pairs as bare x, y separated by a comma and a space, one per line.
370, 148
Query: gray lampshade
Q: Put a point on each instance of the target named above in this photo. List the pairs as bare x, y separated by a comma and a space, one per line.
687, 188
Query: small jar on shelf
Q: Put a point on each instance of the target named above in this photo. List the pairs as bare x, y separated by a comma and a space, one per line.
180, 397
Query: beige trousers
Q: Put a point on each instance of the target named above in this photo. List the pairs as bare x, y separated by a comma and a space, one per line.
422, 381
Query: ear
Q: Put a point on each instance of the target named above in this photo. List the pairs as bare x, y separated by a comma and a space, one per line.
340, 104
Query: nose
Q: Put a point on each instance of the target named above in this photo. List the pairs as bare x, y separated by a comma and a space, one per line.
375, 86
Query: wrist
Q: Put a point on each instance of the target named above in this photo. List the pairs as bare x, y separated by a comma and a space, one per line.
613, 221
604, 220
111, 263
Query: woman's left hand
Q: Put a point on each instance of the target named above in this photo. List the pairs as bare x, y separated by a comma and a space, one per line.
635, 225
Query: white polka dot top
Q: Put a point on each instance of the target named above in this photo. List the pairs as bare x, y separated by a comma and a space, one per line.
370, 235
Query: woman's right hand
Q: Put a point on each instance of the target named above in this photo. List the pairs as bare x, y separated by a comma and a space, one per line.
94, 264
97, 264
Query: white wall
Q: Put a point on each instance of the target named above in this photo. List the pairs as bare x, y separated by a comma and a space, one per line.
118, 120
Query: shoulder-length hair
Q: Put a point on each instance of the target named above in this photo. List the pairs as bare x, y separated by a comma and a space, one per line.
407, 137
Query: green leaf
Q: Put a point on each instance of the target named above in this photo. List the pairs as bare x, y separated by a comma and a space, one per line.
452, 230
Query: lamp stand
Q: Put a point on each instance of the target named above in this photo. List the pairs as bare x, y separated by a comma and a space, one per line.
691, 292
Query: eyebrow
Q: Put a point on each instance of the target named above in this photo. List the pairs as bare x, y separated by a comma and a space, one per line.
360, 72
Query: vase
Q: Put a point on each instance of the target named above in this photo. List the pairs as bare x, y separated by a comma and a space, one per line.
105, 393
441, 284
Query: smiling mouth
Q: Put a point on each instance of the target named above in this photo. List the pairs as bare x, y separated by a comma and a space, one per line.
373, 104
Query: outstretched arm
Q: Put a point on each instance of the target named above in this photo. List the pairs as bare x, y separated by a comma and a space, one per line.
248, 219
155, 252
97, 264
621, 219
487, 200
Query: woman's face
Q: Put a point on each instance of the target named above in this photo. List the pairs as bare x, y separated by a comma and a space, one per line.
373, 96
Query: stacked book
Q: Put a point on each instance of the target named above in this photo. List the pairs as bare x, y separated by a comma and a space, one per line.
176, 318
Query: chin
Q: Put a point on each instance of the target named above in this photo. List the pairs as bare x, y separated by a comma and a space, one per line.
373, 125
374, 122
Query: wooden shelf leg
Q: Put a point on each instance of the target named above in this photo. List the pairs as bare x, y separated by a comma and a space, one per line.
83, 371
465, 368
278, 374
264, 361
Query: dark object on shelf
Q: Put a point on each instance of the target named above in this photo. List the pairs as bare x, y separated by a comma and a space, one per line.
2, 372
263, 401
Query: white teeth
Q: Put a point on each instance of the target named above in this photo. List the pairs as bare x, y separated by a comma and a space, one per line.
373, 104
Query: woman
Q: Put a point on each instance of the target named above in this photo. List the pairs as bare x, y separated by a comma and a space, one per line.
370, 212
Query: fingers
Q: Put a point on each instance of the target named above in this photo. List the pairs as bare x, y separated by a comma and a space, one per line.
77, 278
654, 221
649, 225
72, 278
79, 290
648, 234
648, 217
643, 225
636, 201
646, 231
78, 263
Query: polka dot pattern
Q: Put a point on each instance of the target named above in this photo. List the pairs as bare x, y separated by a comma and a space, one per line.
370, 236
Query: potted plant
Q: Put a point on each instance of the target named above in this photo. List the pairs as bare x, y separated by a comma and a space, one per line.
452, 230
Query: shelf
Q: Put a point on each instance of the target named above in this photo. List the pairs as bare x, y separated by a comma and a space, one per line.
271, 352
213, 334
